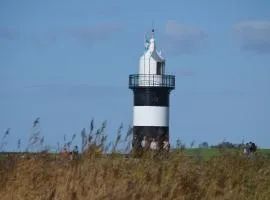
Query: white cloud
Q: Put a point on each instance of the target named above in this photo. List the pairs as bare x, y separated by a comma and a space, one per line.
183, 39
253, 35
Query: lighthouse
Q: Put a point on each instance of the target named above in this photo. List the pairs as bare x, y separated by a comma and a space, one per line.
151, 89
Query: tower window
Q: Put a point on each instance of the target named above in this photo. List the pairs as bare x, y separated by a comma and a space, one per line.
159, 68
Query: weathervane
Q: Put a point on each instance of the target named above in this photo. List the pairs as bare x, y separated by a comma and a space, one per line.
153, 29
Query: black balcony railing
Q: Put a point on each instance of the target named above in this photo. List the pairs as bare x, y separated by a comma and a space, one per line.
151, 80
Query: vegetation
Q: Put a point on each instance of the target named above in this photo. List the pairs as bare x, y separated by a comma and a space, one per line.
226, 174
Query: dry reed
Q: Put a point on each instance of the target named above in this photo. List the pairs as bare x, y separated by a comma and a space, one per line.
115, 177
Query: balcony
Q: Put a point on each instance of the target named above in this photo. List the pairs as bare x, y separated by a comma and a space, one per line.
151, 80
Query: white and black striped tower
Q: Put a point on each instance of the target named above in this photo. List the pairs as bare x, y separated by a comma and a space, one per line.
151, 88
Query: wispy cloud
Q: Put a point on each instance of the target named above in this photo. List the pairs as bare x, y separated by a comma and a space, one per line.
253, 36
43, 40
90, 35
183, 39
66, 90
9, 34
86, 35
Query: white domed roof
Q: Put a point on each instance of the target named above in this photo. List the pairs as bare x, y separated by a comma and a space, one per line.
152, 51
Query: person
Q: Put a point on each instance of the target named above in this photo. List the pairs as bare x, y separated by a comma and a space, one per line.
253, 147
153, 145
245, 151
76, 150
166, 145
74, 153
250, 148
136, 146
144, 143
153, 148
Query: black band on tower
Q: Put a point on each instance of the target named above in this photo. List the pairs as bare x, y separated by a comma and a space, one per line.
151, 96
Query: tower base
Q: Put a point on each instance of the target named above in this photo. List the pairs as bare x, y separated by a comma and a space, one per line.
149, 132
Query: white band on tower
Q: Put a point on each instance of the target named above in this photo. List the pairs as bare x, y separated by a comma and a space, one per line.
150, 116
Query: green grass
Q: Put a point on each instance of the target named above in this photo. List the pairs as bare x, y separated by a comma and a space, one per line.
267, 151
208, 153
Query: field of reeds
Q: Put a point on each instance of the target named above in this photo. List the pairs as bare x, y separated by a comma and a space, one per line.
93, 175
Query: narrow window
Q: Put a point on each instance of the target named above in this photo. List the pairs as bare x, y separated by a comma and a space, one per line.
159, 68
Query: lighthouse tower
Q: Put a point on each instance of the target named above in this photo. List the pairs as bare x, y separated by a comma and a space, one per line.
151, 88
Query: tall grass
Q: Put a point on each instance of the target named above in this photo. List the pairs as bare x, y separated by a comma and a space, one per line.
95, 176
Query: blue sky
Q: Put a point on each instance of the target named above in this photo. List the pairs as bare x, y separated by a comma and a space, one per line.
68, 61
